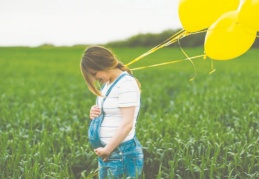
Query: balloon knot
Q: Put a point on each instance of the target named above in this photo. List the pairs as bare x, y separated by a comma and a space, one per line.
186, 33
205, 57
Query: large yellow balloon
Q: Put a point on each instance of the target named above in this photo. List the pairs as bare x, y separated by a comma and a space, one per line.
226, 39
196, 15
249, 14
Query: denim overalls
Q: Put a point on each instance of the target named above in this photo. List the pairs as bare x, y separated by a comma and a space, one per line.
126, 160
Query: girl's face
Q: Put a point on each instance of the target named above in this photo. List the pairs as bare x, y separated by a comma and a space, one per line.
100, 76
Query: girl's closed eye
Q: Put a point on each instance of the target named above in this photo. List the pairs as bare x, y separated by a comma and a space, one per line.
93, 74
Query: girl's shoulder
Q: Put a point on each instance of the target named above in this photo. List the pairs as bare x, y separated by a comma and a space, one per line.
127, 79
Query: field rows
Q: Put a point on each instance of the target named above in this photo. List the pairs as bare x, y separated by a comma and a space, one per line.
205, 128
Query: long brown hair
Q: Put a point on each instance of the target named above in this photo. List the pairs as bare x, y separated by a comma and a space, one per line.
99, 59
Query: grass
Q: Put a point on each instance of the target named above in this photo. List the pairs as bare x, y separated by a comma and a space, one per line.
206, 128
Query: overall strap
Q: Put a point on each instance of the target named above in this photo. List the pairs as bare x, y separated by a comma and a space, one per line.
109, 90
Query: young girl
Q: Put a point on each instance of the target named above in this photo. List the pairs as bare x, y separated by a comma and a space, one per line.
121, 153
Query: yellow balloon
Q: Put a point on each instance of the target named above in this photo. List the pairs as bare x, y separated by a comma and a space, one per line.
226, 39
249, 14
196, 15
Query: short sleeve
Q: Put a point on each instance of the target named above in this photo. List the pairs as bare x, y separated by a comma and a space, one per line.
129, 93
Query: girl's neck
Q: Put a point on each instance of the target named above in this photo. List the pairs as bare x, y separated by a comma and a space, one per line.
115, 73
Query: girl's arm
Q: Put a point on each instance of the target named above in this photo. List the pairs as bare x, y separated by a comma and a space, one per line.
121, 133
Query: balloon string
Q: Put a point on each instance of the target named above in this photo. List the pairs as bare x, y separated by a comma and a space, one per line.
189, 61
204, 57
166, 63
212, 67
167, 42
199, 31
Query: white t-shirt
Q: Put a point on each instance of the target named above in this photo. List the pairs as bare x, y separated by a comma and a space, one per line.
125, 93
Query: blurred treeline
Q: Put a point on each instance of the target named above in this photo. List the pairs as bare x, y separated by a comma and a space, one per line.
150, 40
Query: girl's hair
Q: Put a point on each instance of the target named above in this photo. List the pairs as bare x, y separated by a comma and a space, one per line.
99, 58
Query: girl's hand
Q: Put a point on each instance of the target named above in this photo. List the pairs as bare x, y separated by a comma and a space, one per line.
94, 112
103, 153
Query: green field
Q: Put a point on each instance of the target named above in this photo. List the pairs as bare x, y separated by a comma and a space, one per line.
205, 128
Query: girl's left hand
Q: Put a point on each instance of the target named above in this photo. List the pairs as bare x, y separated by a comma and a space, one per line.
101, 152
94, 112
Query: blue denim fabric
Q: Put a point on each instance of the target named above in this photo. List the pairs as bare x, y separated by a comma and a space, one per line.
126, 160
93, 132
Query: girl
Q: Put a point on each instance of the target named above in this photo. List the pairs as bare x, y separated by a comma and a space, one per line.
121, 153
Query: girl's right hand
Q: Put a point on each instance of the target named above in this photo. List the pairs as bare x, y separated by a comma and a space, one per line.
94, 112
